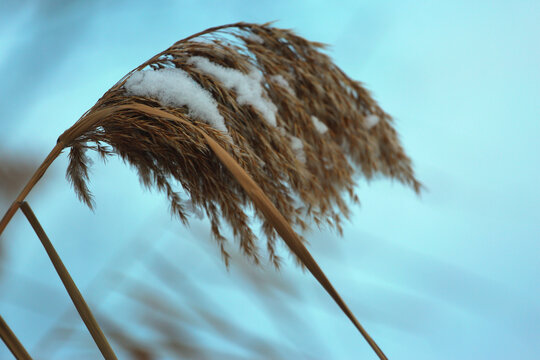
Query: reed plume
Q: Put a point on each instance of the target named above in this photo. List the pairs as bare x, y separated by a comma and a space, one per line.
318, 127
239, 117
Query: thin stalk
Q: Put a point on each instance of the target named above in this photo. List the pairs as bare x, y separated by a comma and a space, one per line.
31, 183
257, 195
282, 226
11, 341
287, 234
136, 249
69, 284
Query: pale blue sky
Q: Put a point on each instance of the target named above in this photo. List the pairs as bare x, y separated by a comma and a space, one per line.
450, 275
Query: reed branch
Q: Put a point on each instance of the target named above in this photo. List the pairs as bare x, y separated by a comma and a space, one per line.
74, 293
12, 342
273, 215
286, 232
30, 185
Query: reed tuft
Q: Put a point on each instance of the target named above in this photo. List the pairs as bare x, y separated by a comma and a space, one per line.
303, 140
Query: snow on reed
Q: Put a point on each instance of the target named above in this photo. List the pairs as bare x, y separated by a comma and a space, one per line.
371, 120
319, 125
248, 87
280, 80
298, 148
256, 38
174, 87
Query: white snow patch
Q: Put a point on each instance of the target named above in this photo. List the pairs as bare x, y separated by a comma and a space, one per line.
371, 120
255, 38
280, 80
247, 86
298, 148
319, 125
166, 57
174, 87
297, 145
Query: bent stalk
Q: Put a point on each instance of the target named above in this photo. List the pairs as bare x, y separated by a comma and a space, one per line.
69, 284
286, 232
281, 225
30, 185
11, 341
257, 195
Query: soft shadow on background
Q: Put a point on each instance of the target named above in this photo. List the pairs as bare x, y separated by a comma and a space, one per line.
451, 275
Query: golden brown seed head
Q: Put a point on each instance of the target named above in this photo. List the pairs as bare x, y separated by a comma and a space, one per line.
327, 129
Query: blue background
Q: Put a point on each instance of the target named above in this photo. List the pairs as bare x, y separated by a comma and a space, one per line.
453, 274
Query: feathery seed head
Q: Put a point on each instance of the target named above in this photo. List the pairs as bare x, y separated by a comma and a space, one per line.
285, 112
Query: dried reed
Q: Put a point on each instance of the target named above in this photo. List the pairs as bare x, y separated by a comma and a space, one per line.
187, 307
69, 284
12, 342
12, 172
292, 154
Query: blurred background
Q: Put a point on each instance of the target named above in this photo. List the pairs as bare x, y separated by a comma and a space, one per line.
453, 274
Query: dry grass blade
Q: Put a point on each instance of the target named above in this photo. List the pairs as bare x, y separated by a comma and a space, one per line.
287, 233
12, 342
30, 184
70, 286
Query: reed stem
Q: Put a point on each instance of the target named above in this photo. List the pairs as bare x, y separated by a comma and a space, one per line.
282, 226
286, 232
257, 195
11, 341
30, 185
69, 284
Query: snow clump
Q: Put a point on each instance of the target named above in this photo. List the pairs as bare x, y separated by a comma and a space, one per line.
174, 87
319, 125
371, 120
248, 87
280, 80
